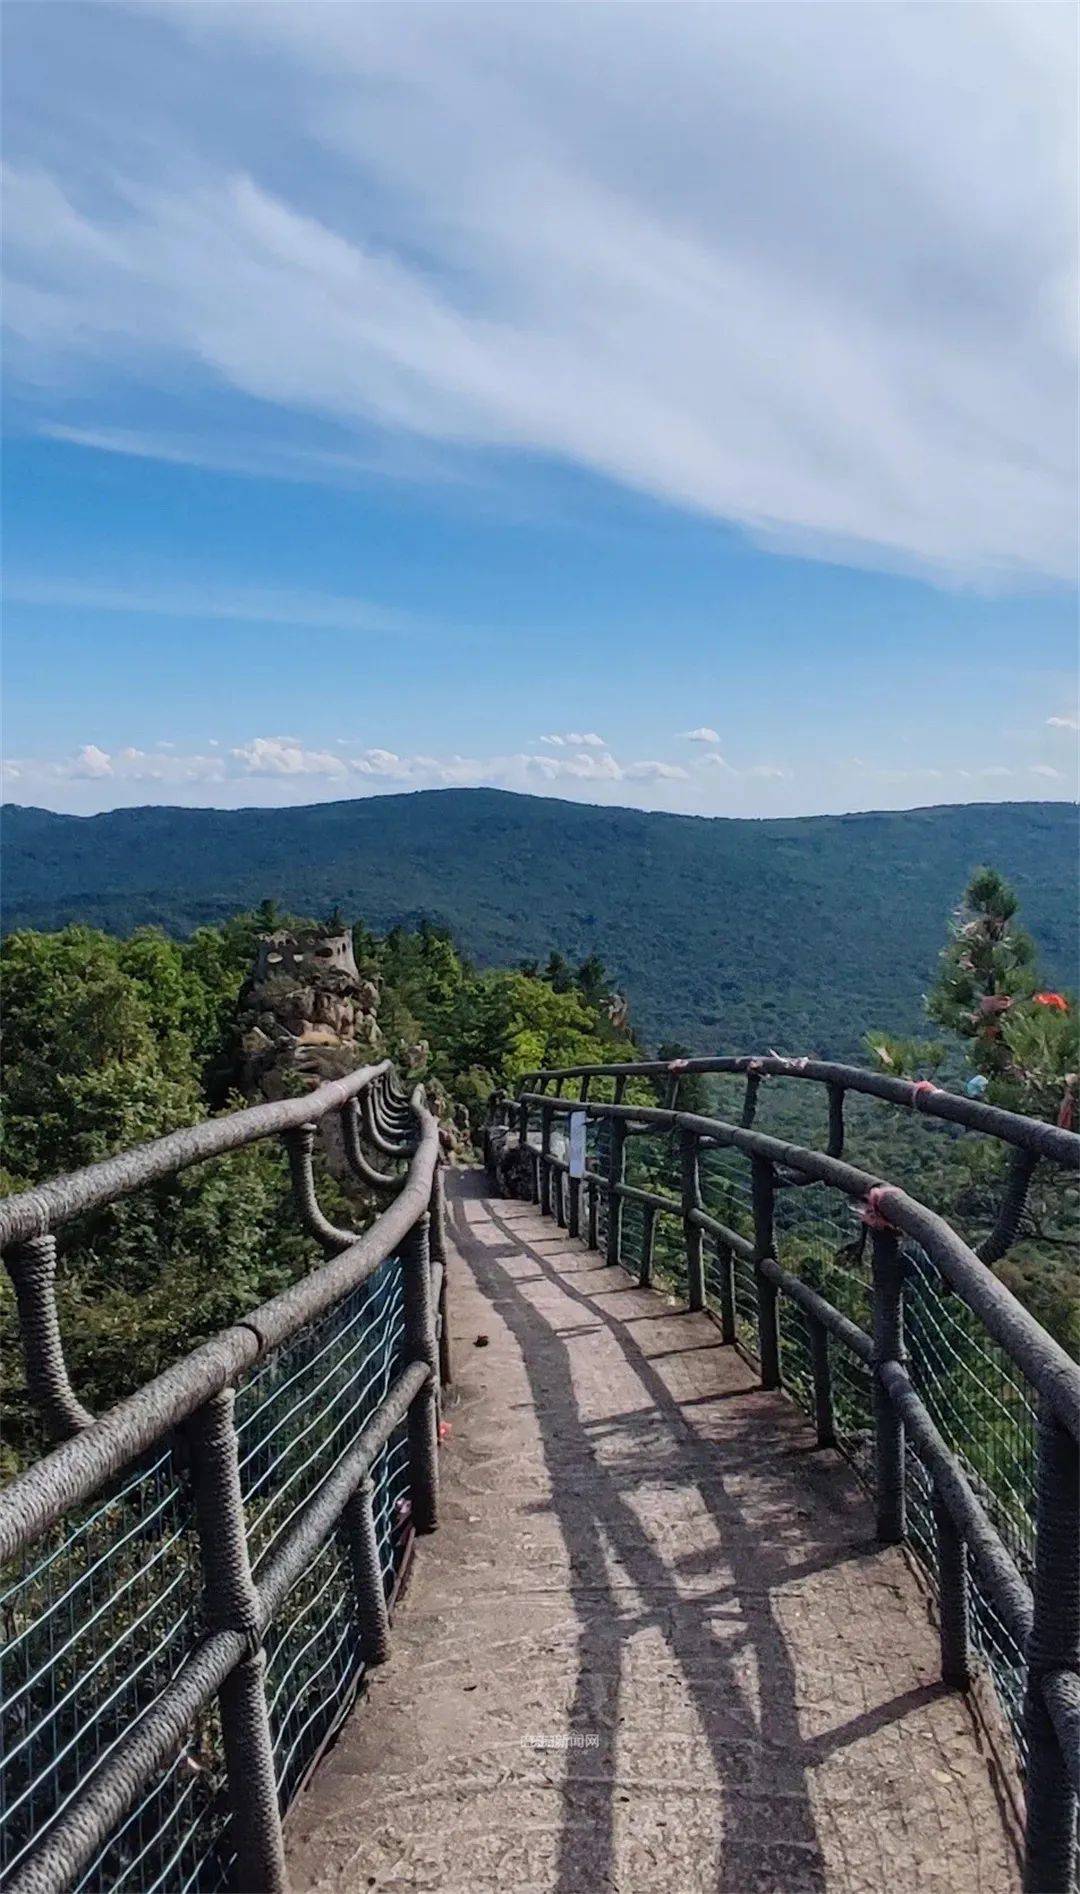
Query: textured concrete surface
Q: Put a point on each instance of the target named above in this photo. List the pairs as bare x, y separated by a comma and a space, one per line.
653, 1645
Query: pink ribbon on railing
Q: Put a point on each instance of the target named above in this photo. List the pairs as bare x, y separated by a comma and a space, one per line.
870, 1213
678, 1065
920, 1090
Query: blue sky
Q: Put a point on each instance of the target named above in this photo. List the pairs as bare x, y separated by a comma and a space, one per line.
657, 405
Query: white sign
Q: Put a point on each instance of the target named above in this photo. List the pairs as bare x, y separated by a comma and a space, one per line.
577, 1144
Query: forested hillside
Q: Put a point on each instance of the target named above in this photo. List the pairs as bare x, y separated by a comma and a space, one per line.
108, 1042
728, 934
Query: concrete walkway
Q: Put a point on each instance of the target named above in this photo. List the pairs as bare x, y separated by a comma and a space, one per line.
653, 1645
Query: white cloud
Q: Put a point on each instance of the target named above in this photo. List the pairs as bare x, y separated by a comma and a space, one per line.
1044, 769
178, 599
758, 274
91, 762
704, 735
284, 756
656, 772
1063, 723
575, 739
580, 766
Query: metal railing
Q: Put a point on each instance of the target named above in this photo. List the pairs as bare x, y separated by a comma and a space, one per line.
194, 1584
955, 1406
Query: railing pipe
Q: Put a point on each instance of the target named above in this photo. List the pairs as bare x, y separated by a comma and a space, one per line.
953, 1603
354, 1152
300, 1147
361, 1543
547, 1116
1053, 1647
888, 1337
693, 1238
39, 1211
616, 1165
1049, 1141
232, 1604
725, 1263
648, 1243
437, 1240
763, 1187
389, 1147
835, 1146
32, 1268
821, 1369
573, 1206
421, 1345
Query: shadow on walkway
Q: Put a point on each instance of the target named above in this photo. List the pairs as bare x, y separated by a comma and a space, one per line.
611, 1531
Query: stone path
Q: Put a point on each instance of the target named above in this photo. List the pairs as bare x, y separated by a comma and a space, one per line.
653, 1645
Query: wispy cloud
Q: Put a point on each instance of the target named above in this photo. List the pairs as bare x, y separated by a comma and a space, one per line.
260, 459
575, 739
1063, 723
312, 610
702, 735
697, 304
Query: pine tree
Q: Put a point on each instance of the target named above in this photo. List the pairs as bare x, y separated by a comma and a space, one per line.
1021, 1042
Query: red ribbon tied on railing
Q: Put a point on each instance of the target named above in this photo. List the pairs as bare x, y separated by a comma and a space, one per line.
920, 1091
870, 1212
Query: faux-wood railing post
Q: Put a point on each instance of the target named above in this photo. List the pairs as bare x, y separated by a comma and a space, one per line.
438, 1256
822, 1373
725, 1263
953, 1625
573, 1213
530, 1154
835, 1145
648, 1243
593, 1225
763, 1182
232, 1603
693, 1239
616, 1168
32, 1268
362, 1544
888, 1329
420, 1345
546, 1117
1054, 1645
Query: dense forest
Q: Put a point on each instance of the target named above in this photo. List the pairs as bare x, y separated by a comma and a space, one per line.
729, 935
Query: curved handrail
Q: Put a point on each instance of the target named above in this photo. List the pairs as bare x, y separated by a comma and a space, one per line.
38, 1211
72, 1472
1036, 1353
1031, 1134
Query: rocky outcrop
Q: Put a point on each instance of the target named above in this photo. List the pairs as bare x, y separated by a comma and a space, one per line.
305, 1011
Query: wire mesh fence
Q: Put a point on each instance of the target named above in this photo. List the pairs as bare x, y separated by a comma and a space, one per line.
95, 1623
99, 1619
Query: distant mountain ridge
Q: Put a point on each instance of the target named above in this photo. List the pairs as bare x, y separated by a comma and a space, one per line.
727, 933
